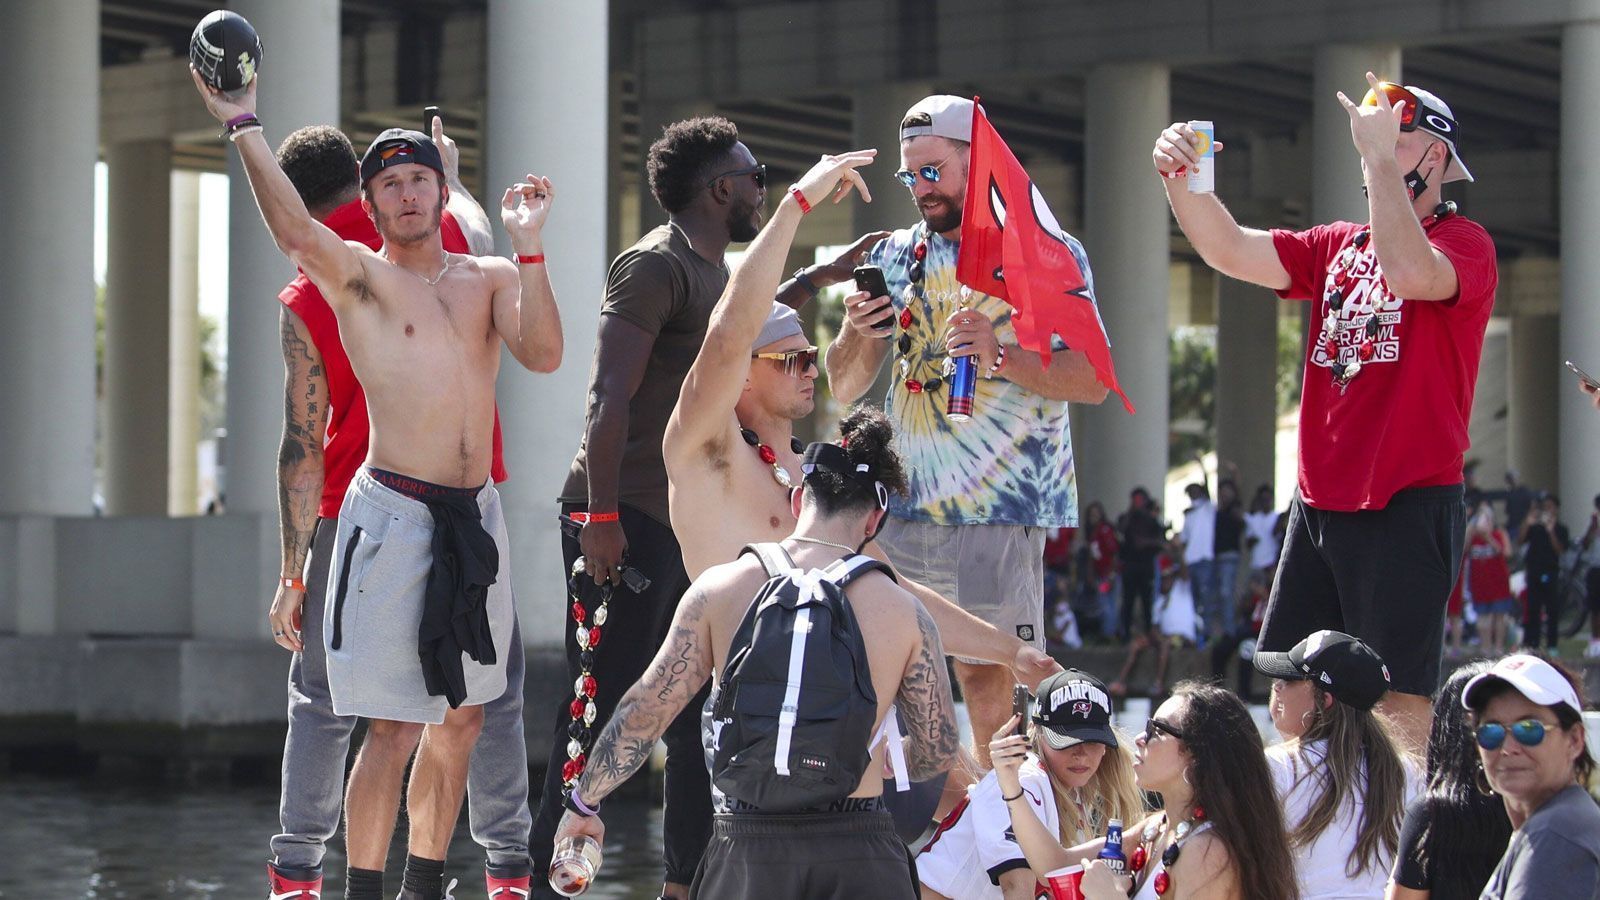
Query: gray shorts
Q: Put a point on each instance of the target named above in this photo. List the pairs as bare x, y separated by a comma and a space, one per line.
380, 565
995, 572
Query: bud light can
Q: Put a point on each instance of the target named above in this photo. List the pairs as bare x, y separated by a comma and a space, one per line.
1112, 853
963, 385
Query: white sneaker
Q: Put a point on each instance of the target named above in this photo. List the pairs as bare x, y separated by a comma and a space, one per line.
1593, 650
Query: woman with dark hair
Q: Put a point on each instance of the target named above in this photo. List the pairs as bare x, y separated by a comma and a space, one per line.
1220, 834
1533, 752
1453, 834
1339, 771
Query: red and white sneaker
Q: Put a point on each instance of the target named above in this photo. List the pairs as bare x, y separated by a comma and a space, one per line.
508, 888
281, 886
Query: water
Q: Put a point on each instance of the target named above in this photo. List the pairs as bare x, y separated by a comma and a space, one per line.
92, 838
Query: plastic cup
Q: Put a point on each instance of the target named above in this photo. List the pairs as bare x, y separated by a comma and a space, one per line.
1065, 884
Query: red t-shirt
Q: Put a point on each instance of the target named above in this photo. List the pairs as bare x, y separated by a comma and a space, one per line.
1402, 421
1103, 547
344, 448
1486, 566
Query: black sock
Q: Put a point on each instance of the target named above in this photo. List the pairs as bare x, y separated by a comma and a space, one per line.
363, 884
425, 876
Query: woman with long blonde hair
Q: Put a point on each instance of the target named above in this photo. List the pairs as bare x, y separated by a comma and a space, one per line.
1072, 769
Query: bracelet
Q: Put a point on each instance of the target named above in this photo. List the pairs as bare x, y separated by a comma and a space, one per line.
240, 119
295, 583
1009, 799
1180, 172
576, 804
533, 260
234, 134
800, 198
584, 518
804, 280
999, 361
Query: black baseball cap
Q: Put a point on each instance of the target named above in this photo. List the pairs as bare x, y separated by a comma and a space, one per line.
1074, 708
1341, 665
396, 147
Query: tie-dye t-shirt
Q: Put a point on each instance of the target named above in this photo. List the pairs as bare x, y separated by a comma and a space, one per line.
1011, 463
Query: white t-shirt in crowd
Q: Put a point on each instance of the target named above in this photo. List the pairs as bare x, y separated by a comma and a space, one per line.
1261, 526
975, 844
1200, 532
1321, 865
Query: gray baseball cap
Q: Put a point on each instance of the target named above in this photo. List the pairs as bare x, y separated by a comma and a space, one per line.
941, 115
782, 322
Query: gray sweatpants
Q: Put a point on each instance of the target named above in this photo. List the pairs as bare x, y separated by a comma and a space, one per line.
318, 743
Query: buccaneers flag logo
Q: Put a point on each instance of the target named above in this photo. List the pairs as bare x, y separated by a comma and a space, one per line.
1013, 248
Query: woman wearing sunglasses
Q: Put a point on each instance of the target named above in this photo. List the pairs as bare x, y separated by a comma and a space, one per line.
1532, 751
1072, 767
1220, 834
1339, 771
1453, 834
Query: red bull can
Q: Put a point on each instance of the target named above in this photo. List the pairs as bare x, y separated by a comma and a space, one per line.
963, 386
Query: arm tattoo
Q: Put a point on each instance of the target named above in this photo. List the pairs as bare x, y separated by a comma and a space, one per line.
300, 451
679, 671
927, 712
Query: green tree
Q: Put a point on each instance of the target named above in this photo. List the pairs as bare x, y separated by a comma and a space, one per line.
1192, 356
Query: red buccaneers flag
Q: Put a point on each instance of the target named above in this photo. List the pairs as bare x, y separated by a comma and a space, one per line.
1012, 248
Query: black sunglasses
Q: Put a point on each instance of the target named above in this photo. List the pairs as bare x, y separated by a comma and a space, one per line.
1154, 725
759, 172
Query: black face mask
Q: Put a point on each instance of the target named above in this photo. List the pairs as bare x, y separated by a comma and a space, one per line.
1416, 182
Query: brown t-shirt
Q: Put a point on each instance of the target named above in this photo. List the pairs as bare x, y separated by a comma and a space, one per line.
662, 286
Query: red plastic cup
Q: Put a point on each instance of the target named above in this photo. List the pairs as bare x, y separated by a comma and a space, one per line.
1065, 884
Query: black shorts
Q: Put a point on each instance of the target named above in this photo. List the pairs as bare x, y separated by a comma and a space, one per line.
1383, 575
806, 856
1592, 585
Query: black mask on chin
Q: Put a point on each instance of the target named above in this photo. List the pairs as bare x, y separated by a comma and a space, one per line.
1416, 182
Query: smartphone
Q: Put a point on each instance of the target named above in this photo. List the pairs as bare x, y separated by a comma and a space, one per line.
1019, 706
428, 112
870, 279
1585, 377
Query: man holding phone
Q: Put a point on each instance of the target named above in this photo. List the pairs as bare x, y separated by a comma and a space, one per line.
985, 490
1375, 533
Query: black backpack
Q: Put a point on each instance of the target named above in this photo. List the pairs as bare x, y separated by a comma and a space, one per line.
793, 718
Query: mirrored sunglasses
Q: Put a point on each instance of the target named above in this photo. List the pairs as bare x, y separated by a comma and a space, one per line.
1528, 732
1412, 114
929, 173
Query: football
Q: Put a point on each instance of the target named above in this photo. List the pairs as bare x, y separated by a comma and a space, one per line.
225, 50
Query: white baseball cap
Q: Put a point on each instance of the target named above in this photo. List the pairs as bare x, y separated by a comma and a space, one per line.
1436, 119
1530, 676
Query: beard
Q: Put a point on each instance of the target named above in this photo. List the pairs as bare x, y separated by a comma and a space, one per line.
945, 217
389, 228
744, 222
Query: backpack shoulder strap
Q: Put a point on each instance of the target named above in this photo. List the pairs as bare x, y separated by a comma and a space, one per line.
843, 571
774, 558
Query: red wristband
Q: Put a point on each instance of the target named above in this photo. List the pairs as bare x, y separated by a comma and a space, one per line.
800, 198
1179, 172
295, 583
533, 260
584, 518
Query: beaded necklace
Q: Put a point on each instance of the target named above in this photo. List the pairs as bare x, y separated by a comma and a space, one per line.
1141, 854
587, 637
1339, 271
770, 456
915, 274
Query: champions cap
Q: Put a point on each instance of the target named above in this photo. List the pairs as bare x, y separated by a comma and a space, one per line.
399, 146
1341, 665
1531, 676
941, 115
1074, 708
781, 323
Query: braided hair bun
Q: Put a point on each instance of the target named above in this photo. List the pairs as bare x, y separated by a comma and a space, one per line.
867, 440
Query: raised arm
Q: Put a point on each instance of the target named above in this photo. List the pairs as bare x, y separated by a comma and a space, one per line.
796, 293
300, 469
716, 379
525, 311
1247, 254
927, 713
474, 221
328, 261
